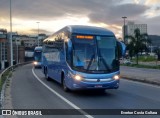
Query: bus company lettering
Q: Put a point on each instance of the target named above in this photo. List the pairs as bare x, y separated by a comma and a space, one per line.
28, 112
139, 112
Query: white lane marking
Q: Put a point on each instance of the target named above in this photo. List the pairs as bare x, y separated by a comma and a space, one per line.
146, 84
63, 98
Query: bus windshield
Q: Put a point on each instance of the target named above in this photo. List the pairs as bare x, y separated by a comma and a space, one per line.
37, 56
95, 54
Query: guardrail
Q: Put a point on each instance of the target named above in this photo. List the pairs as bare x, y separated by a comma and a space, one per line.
3, 77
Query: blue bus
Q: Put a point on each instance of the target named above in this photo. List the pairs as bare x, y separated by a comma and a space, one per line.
82, 57
37, 56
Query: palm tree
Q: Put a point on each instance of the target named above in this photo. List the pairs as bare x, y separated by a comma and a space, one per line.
137, 43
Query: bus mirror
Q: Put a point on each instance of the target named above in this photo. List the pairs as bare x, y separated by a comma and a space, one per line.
69, 43
69, 46
121, 49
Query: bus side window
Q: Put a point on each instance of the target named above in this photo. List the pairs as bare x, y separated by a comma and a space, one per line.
68, 54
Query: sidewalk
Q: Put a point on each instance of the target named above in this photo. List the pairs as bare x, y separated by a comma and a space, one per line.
154, 63
151, 76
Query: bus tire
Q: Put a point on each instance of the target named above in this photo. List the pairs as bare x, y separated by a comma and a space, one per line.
46, 75
65, 88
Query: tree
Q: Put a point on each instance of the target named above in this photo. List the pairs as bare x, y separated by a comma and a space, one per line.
137, 43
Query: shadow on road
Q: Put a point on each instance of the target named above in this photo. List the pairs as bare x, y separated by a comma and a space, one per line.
92, 93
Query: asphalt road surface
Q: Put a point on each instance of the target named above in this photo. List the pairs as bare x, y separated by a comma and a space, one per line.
30, 90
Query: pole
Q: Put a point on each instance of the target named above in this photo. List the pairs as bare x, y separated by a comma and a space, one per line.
38, 33
17, 51
11, 46
1, 55
4, 54
124, 30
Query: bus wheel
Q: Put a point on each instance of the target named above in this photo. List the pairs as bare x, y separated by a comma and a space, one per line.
46, 75
65, 88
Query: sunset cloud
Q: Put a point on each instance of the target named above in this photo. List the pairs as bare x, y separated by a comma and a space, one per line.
151, 2
55, 14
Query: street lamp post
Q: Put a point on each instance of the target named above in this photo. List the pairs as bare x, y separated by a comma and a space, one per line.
38, 33
11, 46
124, 30
17, 52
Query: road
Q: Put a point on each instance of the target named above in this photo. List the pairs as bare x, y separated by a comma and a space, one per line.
30, 90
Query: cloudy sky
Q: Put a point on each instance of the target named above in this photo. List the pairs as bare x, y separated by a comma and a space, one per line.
55, 14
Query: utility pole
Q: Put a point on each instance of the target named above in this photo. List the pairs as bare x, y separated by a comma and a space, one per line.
17, 51
11, 46
38, 33
124, 30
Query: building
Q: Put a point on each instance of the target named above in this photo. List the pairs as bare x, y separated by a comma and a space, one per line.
20, 44
155, 43
41, 38
18, 49
30, 41
155, 40
3, 48
27, 41
131, 26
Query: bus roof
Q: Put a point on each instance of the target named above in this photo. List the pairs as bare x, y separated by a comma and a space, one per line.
38, 48
81, 29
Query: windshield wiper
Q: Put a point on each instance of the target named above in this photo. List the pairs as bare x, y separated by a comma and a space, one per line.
90, 62
104, 62
101, 59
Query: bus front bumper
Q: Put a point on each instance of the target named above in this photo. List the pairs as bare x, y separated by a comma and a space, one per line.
95, 85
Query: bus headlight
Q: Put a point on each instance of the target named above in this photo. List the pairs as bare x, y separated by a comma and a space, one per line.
116, 77
35, 63
77, 77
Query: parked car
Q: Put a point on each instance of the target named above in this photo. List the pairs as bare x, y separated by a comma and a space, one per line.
125, 61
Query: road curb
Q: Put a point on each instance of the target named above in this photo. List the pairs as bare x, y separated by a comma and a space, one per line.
141, 80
